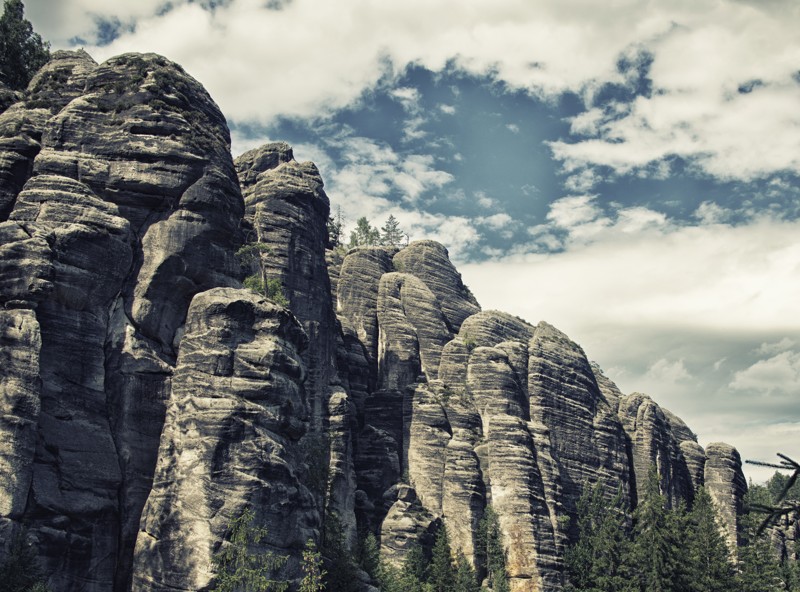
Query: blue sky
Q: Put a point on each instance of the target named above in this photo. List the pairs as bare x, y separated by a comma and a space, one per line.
629, 172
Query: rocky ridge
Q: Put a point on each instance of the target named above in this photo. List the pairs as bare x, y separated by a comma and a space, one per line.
147, 398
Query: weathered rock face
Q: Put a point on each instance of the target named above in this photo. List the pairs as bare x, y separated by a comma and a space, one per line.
653, 444
587, 441
236, 410
288, 210
24, 117
129, 206
726, 485
146, 399
468, 408
429, 261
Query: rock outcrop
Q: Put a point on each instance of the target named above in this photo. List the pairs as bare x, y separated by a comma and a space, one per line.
236, 411
124, 207
148, 399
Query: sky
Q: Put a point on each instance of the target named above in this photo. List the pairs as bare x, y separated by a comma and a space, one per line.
628, 171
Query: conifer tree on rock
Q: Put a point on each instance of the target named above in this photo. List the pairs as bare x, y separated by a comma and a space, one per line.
365, 234
391, 234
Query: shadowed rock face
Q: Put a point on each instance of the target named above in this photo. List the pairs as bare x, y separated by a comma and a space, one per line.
136, 426
127, 208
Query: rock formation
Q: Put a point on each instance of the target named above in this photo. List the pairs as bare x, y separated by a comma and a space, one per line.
148, 399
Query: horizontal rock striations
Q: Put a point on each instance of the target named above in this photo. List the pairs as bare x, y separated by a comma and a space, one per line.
147, 399
236, 411
127, 207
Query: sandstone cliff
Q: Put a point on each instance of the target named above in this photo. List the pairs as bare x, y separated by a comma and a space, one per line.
146, 398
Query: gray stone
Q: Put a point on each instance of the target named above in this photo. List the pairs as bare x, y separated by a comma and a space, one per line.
725, 482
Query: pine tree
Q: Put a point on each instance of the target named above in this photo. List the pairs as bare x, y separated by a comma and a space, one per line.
391, 234
598, 559
313, 574
335, 228
759, 567
341, 575
491, 551
706, 558
654, 552
22, 52
238, 567
364, 234
441, 573
465, 580
370, 555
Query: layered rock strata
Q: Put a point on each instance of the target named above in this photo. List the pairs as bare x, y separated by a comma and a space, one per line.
147, 399
237, 409
126, 207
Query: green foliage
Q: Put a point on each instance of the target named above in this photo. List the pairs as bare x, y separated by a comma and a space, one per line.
335, 228
490, 551
250, 255
238, 568
20, 571
273, 289
441, 572
777, 484
341, 576
706, 561
782, 504
759, 566
655, 541
22, 52
313, 574
370, 556
414, 572
465, 579
314, 448
597, 560
469, 341
364, 234
391, 234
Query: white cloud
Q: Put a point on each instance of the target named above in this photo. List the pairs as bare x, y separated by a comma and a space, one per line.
484, 200
408, 97
709, 212
678, 312
513, 128
309, 59
496, 221
574, 211
779, 373
447, 109
668, 371
774, 347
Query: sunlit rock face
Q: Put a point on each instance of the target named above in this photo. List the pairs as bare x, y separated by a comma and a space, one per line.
236, 411
147, 399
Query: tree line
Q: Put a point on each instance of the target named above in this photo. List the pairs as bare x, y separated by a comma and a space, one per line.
365, 234
658, 549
